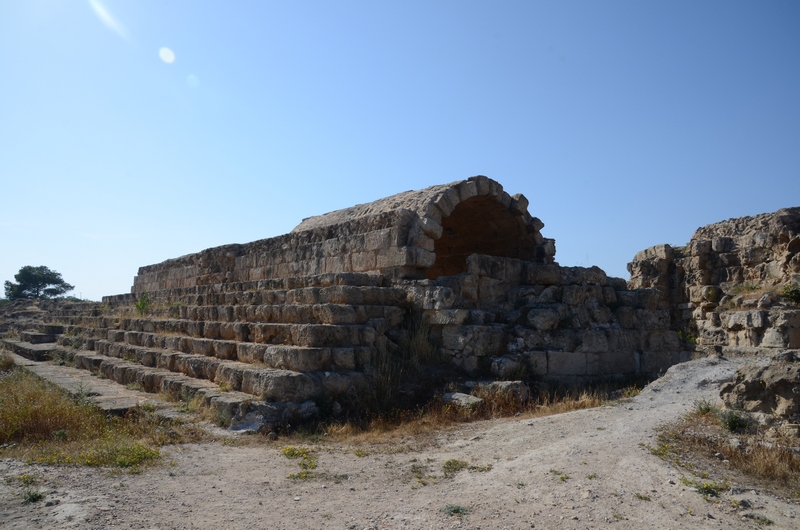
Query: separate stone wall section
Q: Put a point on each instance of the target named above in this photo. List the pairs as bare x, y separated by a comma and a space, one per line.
724, 287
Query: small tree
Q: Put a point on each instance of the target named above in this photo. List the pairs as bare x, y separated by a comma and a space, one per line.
36, 282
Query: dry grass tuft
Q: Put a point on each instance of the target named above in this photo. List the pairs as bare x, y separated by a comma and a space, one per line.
387, 429
6, 361
706, 431
40, 423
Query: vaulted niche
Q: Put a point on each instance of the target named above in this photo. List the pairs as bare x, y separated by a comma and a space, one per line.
478, 225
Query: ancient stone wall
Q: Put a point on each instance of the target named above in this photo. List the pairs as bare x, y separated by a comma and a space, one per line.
726, 287
270, 331
416, 234
571, 324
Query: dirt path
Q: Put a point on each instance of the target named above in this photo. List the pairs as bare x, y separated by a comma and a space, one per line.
219, 486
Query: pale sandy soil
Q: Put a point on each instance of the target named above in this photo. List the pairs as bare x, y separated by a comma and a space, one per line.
216, 486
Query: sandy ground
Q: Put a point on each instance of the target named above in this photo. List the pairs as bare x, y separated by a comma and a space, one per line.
214, 485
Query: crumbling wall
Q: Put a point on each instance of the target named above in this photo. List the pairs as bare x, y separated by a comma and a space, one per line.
726, 287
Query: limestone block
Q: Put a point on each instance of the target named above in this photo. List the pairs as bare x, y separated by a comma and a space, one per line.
658, 251
537, 361
738, 320
550, 295
601, 316
533, 340
543, 319
431, 228
335, 384
297, 359
699, 247
573, 295
230, 376
492, 290
404, 256
622, 340
518, 389
519, 204
203, 347
467, 190
250, 353
592, 341
663, 341
655, 362
611, 363
723, 244
461, 400
560, 363
438, 298
483, 184
225, 350
506, 269
280, 385
422, 241
774, 338
456, 338
344, 358
334, 314
609, 295
377, 240
562, 340
488, 340
649, 298
447, 201
445, 317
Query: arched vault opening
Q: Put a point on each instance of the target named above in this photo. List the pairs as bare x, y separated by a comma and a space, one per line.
479, 225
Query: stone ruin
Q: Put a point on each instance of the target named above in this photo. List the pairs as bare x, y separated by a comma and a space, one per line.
269, 331
726, 289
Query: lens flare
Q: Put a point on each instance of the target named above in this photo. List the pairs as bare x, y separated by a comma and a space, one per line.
167, 55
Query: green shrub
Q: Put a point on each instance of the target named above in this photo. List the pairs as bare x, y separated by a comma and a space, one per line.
792, 292
142, 305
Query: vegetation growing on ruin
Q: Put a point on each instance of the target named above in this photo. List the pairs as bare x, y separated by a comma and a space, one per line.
792, 292
40, 423
693, 441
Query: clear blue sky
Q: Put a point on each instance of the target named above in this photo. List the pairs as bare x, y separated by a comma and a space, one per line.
625, 123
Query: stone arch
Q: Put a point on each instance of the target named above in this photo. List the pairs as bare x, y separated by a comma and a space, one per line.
478, 225
430, 232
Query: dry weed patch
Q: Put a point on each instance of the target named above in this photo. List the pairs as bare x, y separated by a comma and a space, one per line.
40, 423
711, 442
415, 429
6, 361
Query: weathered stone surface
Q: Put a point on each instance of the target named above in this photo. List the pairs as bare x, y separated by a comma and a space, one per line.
461, 400
773, 389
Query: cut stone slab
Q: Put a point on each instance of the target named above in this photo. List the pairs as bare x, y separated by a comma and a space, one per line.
33, 352
461, 400
106, 395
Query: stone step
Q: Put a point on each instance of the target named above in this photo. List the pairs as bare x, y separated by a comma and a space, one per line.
300, 359
102, 393
37, 338
150, 368
155, 380
34, 352
50, 329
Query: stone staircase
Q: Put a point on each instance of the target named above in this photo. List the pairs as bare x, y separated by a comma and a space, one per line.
257, 352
